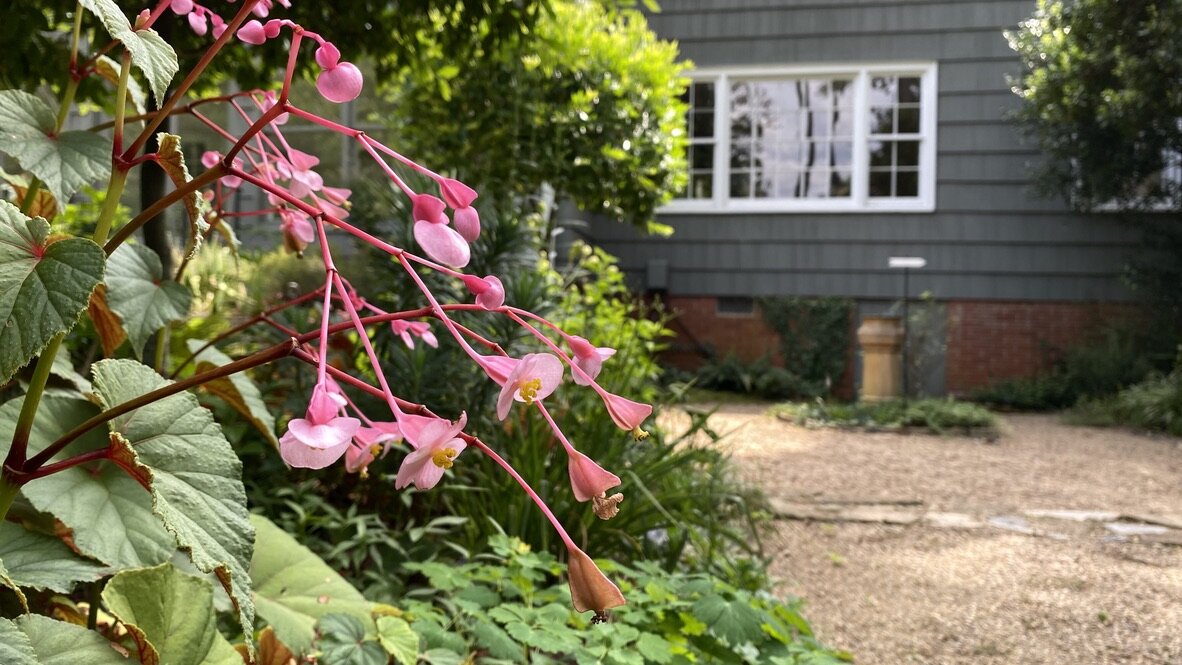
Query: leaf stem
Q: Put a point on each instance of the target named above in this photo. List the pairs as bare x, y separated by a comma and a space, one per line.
262, 357
8, 492
206, 177
121, 106
24, 422
30, 195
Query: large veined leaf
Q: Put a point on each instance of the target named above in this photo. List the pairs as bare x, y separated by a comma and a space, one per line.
43, 562
294, 588
149, 52
172, 160
343, 641
139, 294
50, 642
237, 390
170, 616
195, 478
397, 638
15, 648
733, 620
108, 513
44, 285
64, 161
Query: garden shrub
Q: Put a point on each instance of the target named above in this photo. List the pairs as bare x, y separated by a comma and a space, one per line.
814, 337
1120, 357
939, 416
760, 378
1154, 404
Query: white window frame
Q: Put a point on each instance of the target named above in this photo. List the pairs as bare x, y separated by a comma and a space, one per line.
859, 199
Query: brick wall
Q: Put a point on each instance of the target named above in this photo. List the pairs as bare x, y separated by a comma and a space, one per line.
989, 341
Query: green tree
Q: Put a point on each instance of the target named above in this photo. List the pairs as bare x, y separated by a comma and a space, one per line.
589, 105
1102, 86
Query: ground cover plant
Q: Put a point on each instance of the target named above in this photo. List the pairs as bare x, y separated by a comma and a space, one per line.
126, 462
939, 416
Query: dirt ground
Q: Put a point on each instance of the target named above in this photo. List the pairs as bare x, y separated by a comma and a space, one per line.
1070, 594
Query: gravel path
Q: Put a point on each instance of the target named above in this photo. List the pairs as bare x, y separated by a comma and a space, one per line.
919, 594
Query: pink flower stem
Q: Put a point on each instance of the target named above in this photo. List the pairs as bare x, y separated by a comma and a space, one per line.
373, 357
325, 122
314, 212
437, 309
554, 427
320, 373
409, 162
566, 539
264, 120
156, 13
386, 167
297, 35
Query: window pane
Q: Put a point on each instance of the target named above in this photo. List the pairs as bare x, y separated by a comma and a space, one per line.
882, 120
703, 95
740, 185
843, 154
701, 185
907, 153
880, 153
909, 90
702, 124
839, 184
882, 91
909, 120
741, 155
702, 157
907, 183
880, 183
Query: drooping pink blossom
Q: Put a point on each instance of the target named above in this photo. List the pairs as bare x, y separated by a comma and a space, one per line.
198, 23
489, 292
298, 169
427, 208
369, 443
442, 243
269, 100
436, 448
408, 330
297, 230
181, 7
534, 377
588, 479
588, 358
590, 589
625, 413
219, 26
467, 222
498, 368
323, 435
459, 197
211, 157
340, 83
252, 32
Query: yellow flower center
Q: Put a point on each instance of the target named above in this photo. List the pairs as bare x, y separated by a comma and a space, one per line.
375, 449
443, 458
529, 390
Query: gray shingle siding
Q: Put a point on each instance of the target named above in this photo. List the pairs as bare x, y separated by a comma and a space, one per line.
991, 235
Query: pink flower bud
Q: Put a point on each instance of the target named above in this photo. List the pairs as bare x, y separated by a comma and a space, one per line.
489, 292
142, 19
198, 23
442, 243
252, 32
271, 28
219, 26
261, 8
428, 208
181, 7
341, 83
625, 413
588, 358
210, 157
467, 222
457, 194
327, 56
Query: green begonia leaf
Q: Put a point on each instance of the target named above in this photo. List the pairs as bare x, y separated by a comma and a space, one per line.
149, 52
343, 642
294, 588
65, 161
170, 616
654, 648
178, 451
60, 643
44, 285
15, 648
237, 390
397, 638
43, 562
107, 511
139, 294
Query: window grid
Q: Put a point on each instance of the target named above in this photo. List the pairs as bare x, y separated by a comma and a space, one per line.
871, 145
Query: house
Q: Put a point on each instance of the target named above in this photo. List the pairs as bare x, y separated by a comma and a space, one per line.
829, 135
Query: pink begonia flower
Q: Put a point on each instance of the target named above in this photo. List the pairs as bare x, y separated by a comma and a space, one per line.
588, 358
298, 169
297, 230
272, 28
252, 32
181, 7
322, 436
489, 292
428, 208
198, 23
533, 378
368, 443
263, 8
269, 100
436, 447
467, 222
625, 413
588, 479
442, 243
408, 330
340, 81
336, 201
219, 26
211, 157
498, 368
459, 197
590, 589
